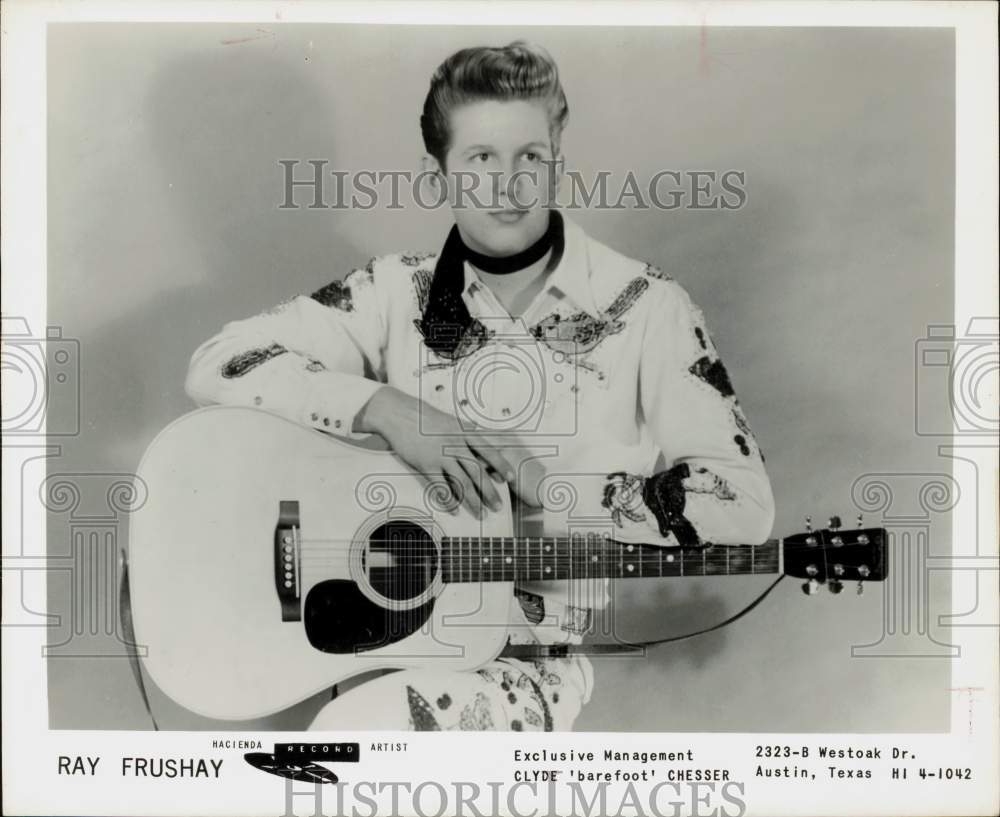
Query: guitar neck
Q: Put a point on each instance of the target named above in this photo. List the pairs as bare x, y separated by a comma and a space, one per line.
532, 558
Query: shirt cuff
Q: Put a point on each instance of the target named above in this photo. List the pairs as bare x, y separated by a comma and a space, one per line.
335, 413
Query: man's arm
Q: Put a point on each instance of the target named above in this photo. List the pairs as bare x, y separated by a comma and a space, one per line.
714, 489
316, 360
320, 361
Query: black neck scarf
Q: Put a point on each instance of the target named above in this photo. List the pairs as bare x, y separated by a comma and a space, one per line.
446, 319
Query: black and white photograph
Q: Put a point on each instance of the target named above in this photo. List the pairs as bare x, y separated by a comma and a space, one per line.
378, 371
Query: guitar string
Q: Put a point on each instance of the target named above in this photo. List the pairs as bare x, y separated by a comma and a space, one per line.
351, 544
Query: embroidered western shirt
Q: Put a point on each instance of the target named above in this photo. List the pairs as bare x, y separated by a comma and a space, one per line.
609, 370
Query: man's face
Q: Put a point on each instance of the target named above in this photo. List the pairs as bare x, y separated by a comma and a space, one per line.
501, 157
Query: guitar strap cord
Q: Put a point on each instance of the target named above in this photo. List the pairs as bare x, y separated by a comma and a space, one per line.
519, 651
564, 650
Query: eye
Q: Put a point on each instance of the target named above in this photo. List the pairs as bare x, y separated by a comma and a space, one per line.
482, 156
531, 156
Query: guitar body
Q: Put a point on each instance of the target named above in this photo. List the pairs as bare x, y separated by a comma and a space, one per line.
271, 561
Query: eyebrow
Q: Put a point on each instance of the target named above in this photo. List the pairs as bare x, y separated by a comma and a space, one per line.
535, 144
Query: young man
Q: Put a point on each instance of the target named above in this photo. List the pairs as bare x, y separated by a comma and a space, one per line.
524, 330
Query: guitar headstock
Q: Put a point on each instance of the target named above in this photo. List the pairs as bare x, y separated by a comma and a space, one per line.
833, 555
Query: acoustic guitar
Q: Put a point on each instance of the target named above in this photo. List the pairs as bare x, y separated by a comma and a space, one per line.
270, 561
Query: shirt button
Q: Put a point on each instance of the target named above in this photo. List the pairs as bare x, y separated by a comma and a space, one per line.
336, 423
439, 387
258, 400
326, 421
314, 416
505, 412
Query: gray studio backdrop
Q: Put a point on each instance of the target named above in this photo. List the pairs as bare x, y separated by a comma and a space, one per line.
163, 186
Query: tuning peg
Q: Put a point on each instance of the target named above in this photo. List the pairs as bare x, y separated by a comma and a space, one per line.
809, 524
861, 520
836, 586
811, 587
834, 523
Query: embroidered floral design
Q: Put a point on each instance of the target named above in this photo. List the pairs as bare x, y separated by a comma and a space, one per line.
714, 373
703, 481
545, 673
532, 717
245, 361
701, 331
336, 294
339, 295
627, 298
623, 497
576, 620
532, 605
655, 272
472, 340
745, 437
741, 420
415, 259
422, 287
665, 495
581, 330
421, 714
476, 716
538, 697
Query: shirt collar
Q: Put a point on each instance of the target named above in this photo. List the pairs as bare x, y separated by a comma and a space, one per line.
571, 277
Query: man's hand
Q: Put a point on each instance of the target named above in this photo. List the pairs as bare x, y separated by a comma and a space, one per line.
436, 446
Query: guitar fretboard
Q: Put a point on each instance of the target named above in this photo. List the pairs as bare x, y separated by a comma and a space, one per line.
508, 558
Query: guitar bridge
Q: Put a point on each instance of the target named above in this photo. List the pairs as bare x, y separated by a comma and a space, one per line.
287, 560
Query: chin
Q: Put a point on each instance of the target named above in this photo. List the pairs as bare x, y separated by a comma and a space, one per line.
492, 237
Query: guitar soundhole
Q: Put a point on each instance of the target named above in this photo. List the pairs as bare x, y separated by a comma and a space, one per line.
401, 560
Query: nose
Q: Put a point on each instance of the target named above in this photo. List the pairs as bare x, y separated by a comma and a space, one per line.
502, 183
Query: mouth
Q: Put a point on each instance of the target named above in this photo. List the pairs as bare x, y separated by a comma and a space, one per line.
510, 216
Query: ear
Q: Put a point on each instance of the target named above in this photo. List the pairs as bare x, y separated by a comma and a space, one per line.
429, 164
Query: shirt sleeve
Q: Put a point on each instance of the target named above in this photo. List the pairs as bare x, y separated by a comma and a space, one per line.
714, 488
315, 360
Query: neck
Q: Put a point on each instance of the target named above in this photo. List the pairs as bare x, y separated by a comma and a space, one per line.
523, 558
517, 290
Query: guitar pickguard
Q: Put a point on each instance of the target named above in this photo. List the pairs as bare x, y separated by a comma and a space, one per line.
339, 618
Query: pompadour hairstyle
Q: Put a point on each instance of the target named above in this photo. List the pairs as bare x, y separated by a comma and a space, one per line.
519, 71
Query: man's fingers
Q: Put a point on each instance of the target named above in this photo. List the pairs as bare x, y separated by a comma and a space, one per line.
493, 458
462, 486
484, 485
